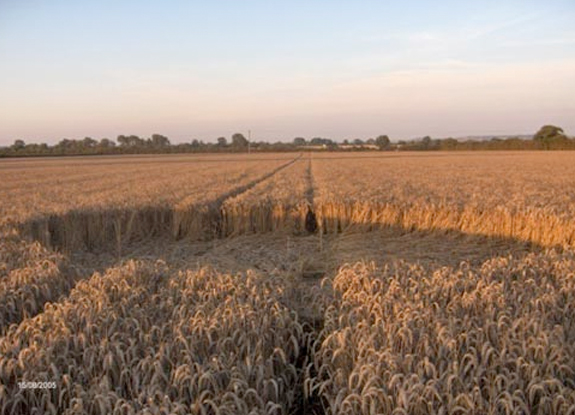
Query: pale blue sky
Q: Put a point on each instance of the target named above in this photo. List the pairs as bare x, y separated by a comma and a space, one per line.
339, 69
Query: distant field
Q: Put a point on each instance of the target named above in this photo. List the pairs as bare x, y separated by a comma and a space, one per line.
428, 283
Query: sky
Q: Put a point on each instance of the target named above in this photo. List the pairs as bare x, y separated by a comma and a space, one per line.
283, 69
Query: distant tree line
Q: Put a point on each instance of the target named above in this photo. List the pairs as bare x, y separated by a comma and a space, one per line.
133, 144
549, 137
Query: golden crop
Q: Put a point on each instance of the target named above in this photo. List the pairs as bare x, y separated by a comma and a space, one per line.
144, 339
404, 340
526, 196
435, 283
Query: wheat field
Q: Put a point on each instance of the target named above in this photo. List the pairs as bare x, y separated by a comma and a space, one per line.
429, 283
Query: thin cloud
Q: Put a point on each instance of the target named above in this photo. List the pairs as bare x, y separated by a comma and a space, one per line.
411, 37
541, 42
487, 30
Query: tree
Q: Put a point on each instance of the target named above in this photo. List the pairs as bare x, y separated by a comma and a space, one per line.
299, 141
18, 144
547, 135
239, 141
122, 140
66, 143
222, 142
159, 140
426, 142
358, 142
89, 142
448, 144
382, 142
130, 141
136, 141
318, 141
106, 143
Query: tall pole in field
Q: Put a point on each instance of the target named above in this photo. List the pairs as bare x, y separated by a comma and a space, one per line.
249, 141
